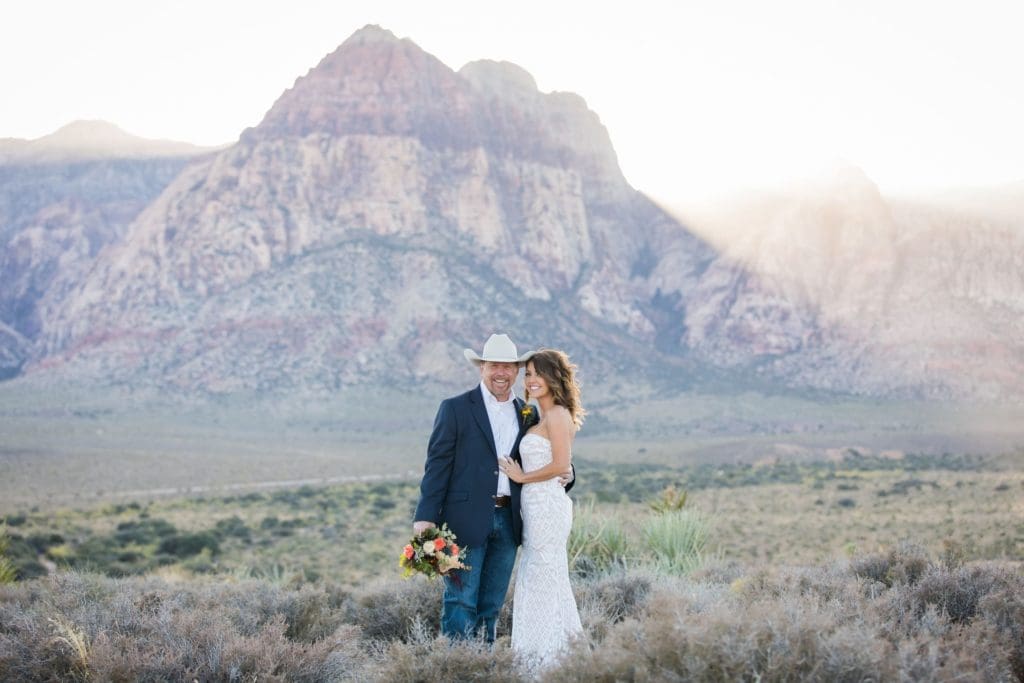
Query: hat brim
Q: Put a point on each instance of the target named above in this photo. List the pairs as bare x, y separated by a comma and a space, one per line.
475, 359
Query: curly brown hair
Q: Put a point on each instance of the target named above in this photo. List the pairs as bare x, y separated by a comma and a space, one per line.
560, 374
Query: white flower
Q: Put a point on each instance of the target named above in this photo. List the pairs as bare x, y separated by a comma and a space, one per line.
428, 547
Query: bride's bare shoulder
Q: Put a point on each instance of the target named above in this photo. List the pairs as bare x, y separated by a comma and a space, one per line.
559, 415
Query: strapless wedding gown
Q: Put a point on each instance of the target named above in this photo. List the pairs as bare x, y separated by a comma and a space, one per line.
544, 614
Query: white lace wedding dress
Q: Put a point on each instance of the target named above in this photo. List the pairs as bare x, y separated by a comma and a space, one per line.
544, 614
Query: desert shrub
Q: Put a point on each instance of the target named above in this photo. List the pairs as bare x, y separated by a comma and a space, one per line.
693, 634
19, 559
954, 594
270, 572
718, 570
121, 508
676, 539
281, 527
940, 651
201, 563
232, 527
187, 545
213, 652
1004, 609
954, 554
124, 552
829, 585
143, 532
612, 598
426, 657
7, 571
248, 498
15, 520
299, 498
101, 554
834, 622
846, 503
393, 610
85, 627
904, 486
43, 542
906, 563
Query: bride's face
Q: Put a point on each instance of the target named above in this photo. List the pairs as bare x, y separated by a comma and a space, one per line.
535, 384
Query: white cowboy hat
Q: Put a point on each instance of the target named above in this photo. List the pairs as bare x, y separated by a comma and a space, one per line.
498, 349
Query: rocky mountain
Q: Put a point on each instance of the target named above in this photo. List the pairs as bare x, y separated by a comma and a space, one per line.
388, 211
886, 295
14, 350
385, 212
62, 199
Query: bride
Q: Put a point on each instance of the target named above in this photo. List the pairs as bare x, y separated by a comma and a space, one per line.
544, 614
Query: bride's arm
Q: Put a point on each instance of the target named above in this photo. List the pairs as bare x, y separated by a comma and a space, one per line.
561, 429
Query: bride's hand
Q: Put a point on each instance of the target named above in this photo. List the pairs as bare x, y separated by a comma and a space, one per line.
511, 468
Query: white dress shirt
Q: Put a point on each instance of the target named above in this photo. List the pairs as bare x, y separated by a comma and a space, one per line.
504, 427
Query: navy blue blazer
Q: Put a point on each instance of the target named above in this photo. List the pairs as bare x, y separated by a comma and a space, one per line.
460, 476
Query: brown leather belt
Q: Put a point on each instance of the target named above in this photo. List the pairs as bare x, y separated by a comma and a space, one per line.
502, 501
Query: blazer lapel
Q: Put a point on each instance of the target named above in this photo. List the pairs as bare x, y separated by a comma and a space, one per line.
479, 411
522, 432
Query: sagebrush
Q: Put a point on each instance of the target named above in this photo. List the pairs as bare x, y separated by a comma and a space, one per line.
894, 615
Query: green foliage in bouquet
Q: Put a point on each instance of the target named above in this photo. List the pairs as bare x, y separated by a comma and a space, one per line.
432, 553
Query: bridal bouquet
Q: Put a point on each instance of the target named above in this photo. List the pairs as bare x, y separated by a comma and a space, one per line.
431, 553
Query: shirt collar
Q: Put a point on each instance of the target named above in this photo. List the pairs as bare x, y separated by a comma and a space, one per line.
491, 402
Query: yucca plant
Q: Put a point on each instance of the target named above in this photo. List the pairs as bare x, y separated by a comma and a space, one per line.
677, 539
671, 499
596, 543
76, 645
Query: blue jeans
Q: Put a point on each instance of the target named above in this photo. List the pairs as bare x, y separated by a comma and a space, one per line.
473, 597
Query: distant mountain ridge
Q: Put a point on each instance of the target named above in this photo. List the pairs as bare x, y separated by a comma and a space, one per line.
63, 197
388, 211
92, 140
902, 292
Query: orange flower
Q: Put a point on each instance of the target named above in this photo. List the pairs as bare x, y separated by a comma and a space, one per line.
409, 552
455, 550
438, 543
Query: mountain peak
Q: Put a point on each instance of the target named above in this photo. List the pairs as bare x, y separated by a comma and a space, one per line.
378, 85
373, 84
371, 33
87, 132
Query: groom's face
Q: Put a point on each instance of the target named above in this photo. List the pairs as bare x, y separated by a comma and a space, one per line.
499, 378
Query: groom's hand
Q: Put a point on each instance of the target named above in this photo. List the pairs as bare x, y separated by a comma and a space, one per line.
566, 478
419, 527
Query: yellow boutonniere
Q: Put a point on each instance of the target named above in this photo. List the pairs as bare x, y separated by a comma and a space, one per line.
529, 414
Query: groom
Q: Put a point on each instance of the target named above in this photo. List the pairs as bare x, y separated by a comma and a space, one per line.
463, 487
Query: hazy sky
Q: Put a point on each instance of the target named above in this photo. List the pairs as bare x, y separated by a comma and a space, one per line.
699, 97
